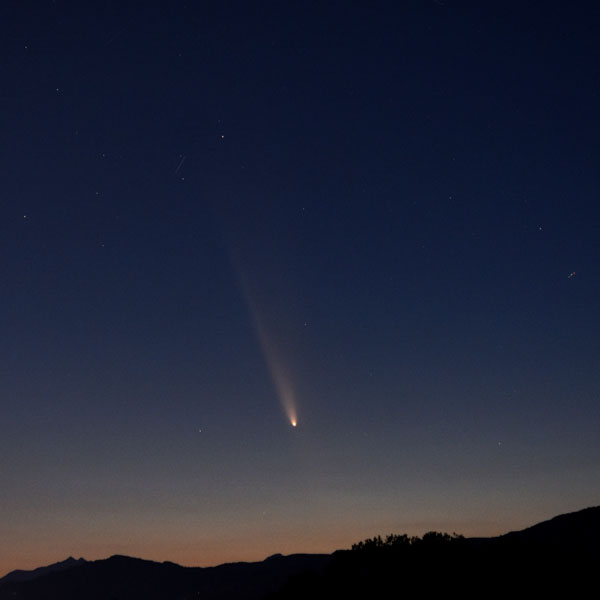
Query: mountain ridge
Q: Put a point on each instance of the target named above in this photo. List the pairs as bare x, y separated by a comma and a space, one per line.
26, 575
575, 534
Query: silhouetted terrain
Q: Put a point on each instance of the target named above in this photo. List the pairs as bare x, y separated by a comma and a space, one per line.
125, 578
19, 575
559, 556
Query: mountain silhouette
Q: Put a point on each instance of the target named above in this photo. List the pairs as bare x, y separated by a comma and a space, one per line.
19, 575
578, 528
556, 556
123, 577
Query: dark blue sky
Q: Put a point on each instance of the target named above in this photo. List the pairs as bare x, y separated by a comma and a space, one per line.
220, 216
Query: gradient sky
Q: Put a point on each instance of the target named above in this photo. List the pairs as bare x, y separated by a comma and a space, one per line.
216, 213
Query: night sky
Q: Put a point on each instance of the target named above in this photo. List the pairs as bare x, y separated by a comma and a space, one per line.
378, 219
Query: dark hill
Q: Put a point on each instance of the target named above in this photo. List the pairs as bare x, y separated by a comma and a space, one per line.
125, 578
19, 575
579, 529
558, 556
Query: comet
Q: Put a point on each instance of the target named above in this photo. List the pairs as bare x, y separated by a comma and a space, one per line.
270, 346
280, 375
